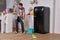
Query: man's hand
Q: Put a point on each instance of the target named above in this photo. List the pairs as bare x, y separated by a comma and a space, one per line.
15, 13
18, 15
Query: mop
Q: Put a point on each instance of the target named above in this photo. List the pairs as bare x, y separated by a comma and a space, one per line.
34, 36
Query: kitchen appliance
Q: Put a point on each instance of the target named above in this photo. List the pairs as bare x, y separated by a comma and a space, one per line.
41, 19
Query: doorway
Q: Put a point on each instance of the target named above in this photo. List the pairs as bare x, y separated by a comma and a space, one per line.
2, 5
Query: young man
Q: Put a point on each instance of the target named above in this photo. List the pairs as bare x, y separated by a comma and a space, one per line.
20, 12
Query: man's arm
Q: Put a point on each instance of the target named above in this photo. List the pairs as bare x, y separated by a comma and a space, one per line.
16, 11
23, 13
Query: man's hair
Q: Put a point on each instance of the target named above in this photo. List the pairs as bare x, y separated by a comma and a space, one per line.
20, 4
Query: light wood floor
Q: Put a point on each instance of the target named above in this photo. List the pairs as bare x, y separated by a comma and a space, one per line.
20, 36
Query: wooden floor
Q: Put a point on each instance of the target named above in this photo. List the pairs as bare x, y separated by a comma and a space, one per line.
20, 36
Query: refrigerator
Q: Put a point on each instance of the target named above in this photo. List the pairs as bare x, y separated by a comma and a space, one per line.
41, 19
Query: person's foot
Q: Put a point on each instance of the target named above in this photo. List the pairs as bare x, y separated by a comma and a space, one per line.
23, 32
16, 32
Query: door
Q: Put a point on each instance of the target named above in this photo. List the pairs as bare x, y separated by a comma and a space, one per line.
2, 5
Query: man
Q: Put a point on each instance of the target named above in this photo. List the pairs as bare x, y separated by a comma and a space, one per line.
20, 12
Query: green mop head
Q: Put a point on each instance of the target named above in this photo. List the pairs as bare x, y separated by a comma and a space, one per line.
34, 36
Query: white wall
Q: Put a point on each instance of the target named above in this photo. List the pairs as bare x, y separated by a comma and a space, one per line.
57, 16
9, 3
27, 4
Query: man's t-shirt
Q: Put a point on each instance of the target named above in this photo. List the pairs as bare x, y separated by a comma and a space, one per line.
19, 11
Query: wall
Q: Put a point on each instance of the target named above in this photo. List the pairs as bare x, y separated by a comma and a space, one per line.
27, 4
9, 3
57, 16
